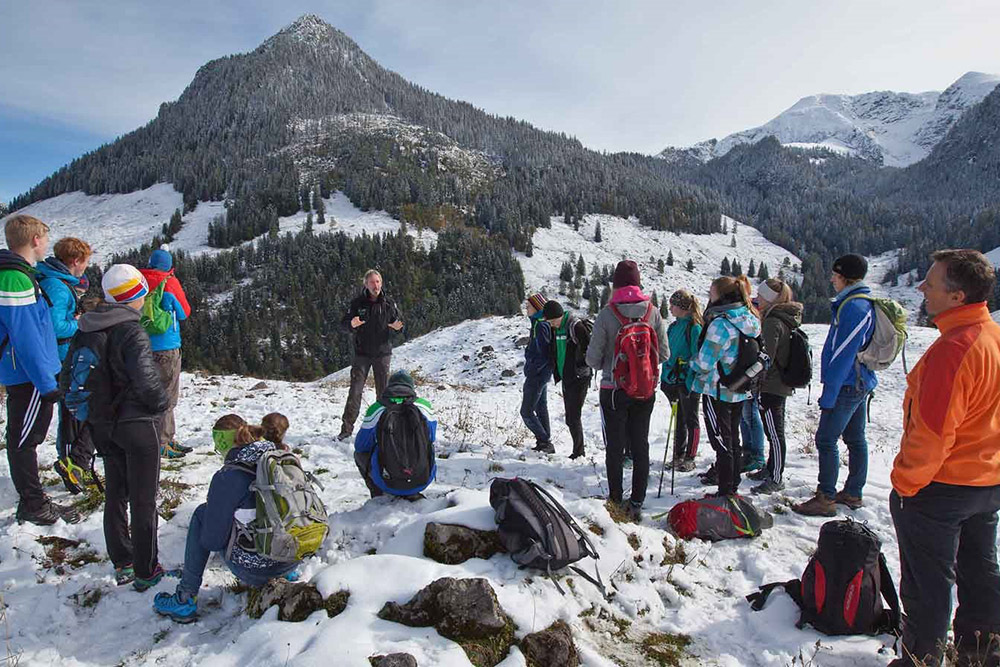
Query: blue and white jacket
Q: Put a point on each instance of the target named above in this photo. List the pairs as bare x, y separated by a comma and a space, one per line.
29, 341
723, 324
851, 329
58, 283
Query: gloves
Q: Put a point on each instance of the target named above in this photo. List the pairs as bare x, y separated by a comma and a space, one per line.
53, 396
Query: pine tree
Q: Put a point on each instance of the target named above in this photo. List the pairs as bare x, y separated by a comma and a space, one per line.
752, 271
690, 265
593, 302
308, 229
670, 258
732, 243
581, 268
725, 269
762, 272
566, 272
605, 295
665, 310
655, 299
320, 210
659, 265
725, 227
737, 268
597, 232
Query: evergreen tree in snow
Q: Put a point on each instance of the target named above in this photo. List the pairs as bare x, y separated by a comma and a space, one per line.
597, 232
752, 271
320, 211
659, 265
690, 265
762, 272
670, 258
581, 268
725, 269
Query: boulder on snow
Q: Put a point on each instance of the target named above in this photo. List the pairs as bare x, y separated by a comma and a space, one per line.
296, 601
259, 386
393, 660
552, 647
522, 341
463, 610
508, 373
452, 544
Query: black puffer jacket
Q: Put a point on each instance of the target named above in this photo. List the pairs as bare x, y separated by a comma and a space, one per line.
374, 337
126, 382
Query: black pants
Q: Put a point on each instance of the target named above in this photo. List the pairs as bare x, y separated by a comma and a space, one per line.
625, 423
772, 414
360, 368
574, 396
363, 460
722, 420
687, 431
28, 418
948, 534
131, 452
73, 440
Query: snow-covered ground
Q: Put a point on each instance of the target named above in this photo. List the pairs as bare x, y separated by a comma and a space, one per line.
481, 437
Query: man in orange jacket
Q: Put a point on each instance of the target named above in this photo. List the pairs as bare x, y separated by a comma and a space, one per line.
946, 477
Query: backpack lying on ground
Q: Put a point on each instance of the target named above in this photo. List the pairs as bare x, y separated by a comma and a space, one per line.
719, 518
636, 370
842, 588
888, 339
537, 531
404, 453
291, 519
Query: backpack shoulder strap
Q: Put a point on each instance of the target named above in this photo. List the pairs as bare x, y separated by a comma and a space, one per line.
622, 320
649, 313
867, 297
891, 623
792, 587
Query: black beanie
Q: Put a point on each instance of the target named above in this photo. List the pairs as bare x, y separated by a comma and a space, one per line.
852, 267
552, 310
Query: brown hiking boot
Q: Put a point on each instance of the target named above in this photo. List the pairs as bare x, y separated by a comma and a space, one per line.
843, 498
819, 505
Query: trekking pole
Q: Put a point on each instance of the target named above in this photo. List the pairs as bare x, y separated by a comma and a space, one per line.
666, 448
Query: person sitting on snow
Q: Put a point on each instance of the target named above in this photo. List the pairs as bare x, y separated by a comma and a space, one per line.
407, 422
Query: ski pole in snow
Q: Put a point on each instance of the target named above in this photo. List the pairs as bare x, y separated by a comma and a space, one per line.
666, 448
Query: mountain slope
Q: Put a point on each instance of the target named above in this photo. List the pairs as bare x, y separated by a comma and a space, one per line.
894, 129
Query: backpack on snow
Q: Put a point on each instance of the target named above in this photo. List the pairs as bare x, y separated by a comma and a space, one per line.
719, 518
888, 339
291, 521
404, 453
636, 369
797, 372
842, 588
154, 319
537, 531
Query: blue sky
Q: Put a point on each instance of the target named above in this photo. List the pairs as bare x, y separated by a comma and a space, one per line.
625, 75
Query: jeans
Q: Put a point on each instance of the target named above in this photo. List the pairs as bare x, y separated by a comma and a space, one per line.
535, 407
752, 431
846, 418
196, 559
625, 422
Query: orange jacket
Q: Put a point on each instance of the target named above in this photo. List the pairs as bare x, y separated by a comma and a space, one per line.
951, 411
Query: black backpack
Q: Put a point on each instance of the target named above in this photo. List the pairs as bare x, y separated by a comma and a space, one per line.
582, 369
842, 588
84, 372
537, 531
405, 454
750, 352
797, 373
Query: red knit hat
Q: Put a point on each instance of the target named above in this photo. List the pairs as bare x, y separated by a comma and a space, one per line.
626, 274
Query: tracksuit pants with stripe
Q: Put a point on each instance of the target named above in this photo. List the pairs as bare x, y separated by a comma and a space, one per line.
772, 414
28, 418
722, 421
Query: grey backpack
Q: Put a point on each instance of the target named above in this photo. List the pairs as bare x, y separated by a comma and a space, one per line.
291, 521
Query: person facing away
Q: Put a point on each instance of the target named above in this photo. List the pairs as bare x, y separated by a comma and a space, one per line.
625, 419
394, 449
230, 499
537, 373
570, 338
946, 476
110, 361
29, 365
780, 316
729, 314
683, 335
60, 278
847, 384
372, 317
167, 345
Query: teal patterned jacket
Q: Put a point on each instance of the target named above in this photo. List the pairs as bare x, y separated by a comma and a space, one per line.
721, 345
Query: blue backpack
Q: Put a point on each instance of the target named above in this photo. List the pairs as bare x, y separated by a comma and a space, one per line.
84, 371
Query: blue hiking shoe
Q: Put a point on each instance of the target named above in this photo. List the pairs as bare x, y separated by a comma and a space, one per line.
176, 606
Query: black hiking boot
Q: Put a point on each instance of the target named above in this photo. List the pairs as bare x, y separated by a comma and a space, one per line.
544, 447
577, 453
345, 435
47, 514
767, 487
710, 477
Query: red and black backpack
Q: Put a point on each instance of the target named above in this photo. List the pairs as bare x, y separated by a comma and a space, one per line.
842, 588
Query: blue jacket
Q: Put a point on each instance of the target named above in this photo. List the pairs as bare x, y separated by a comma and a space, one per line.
174, 302
721, 348
850, 330
58, 283
683, 335
366, 441
29, 349
229, 492
538, 355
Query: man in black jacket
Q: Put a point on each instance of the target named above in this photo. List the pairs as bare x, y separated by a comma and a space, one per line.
370, 316
112, 382
570, 337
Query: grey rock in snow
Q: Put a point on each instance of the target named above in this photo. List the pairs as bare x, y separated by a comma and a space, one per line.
552, 647
393, 660
452, 544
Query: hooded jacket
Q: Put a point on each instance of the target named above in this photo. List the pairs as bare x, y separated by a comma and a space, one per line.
776, 327
126, 383
538, 354
683, 335
366, 442
174, 302
26, 333
851, 329
374, 337
632, 304
229, 496
577, 338
58, 283
723, 323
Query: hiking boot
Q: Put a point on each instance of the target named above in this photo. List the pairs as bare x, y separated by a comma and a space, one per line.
544, 447
687, 465
767, 488
710, 477
176, 606
143, 585
633, 511
124, 575
844, 498
167, 451
47, 514
752, 464
819, 505
674, 464
71, 474
184, 449
345, 435
67, 513
759, 476
577, 453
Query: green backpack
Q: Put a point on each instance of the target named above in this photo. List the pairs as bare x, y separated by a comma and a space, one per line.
154, 319
889, 338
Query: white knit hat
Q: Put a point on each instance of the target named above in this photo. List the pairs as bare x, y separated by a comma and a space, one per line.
123, 283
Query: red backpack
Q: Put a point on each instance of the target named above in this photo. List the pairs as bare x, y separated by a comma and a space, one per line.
637, 361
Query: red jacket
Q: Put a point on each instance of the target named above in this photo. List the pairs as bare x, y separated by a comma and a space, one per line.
154, 277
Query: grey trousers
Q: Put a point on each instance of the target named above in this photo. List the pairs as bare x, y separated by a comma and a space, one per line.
169, 364
359, 376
